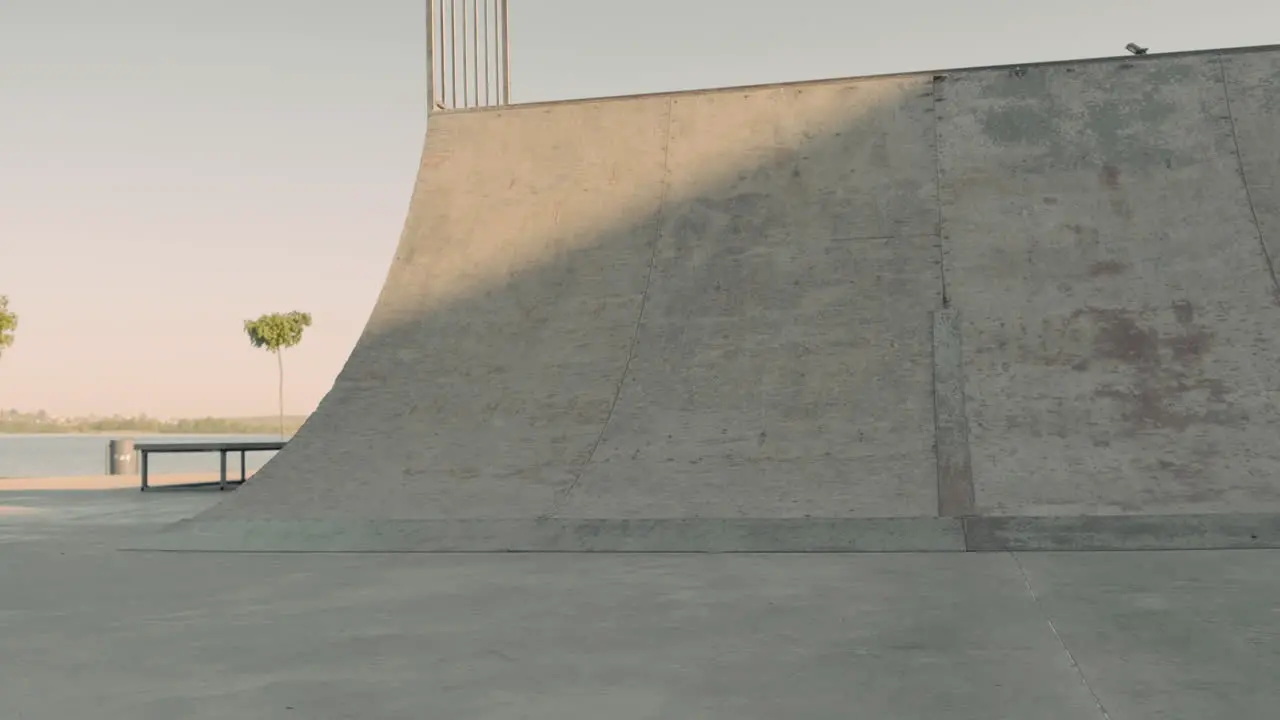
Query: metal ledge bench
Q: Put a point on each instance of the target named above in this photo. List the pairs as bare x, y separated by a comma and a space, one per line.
222, 448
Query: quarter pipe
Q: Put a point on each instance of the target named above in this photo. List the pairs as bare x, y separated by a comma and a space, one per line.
1019, 307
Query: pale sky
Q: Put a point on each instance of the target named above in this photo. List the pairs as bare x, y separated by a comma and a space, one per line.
170, 168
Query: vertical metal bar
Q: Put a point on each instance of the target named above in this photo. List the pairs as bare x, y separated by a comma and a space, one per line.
466, 59
466, 75
440, 55
487, 99
453, 52
477, 57
144, 471
475, 42
222, 464
431, 58
506, 53
243, 476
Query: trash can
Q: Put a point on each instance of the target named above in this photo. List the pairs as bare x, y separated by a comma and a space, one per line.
121, 459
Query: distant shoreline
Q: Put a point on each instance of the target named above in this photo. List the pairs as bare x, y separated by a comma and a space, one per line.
30, 425
136, 433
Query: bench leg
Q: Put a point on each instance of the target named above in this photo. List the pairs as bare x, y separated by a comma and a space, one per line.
144, 471
242, 464
222, 477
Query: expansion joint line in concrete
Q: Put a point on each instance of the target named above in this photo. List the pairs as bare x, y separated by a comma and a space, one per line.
659, 217
937, 179
1244, 178
1026, 580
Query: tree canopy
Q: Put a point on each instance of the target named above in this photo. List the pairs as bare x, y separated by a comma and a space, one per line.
277, 331
8, 323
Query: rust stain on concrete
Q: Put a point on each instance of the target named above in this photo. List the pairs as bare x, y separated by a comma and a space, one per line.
1184, 311
1111, 176
1119, 337
1161, 382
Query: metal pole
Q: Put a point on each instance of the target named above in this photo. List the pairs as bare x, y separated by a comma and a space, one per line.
440, 16
431, 59
475, 42
466, 73
453, 52
486, 51
506, 54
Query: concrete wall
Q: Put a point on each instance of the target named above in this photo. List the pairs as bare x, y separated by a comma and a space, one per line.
720, 304
782, 364
1119, 316
1253, 86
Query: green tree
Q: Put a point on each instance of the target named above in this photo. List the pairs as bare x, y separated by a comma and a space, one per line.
276, 332
8, 324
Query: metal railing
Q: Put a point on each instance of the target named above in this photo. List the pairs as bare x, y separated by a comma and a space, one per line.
469, 54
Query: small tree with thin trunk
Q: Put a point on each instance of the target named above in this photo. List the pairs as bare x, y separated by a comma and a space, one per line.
8, 324
276, 332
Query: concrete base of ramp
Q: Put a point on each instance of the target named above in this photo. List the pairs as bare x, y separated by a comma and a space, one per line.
813, 535
157, 636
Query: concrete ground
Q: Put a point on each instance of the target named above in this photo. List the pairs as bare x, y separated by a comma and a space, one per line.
91, 631
158, 481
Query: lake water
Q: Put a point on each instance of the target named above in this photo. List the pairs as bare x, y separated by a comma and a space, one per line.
63, 455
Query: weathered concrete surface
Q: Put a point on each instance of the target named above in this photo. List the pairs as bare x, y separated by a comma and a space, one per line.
162, 635
782, 363
1160, 651
625, 535
1253, 87
1222, 531
950, 421
38, 514
154, 636
669, 322
700, 306
1120, 321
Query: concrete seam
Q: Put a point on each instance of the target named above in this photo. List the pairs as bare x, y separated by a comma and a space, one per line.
1244, 178
1102, 709
955, 488
937, 180
659, 217
975, 534
895, 236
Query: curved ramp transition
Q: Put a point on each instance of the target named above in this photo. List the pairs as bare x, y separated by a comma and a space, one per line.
1021, 307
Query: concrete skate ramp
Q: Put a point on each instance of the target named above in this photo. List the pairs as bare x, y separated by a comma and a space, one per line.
1020, 307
